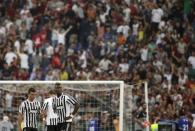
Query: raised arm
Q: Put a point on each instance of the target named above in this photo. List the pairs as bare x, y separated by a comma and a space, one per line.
66, 31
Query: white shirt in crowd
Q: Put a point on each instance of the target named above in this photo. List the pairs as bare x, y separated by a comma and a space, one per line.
8, 25
135, 28
8, 99
61, 38
24, 61
78, 11
103, 17
83, 59
62, 35
17, 45
160, 38
29, 46
166, 85
3, 31
30, 4
191, 60
181, 47
183, 79
29, 20
124, 67
158, 64
168, 76
127, 2
54, 35
104, 64
157, 15
49, 51
144, 54
127, 12
81, 74
162, 25
9, 57
24, 13
124, 29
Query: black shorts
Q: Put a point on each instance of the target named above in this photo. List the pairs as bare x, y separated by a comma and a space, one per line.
30, 129
64, 126
52, 128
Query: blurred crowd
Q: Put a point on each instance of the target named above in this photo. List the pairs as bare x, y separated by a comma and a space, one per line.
130, 40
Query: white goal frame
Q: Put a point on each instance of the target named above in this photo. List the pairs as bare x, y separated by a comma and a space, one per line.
121, 83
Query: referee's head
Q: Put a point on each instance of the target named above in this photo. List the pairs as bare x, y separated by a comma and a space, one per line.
51, 93
31, 94
58, 89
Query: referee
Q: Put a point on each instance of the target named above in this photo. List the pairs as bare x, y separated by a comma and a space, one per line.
28, 112
51, 117
61, 105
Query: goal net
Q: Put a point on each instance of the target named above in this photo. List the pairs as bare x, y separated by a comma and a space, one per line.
106, 102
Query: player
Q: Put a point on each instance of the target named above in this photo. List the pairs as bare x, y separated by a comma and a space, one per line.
183, 122
29, 111
69, 111
93, 123
51, 117
61, 105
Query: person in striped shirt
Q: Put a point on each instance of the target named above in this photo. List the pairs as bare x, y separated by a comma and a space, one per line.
61, 105
29, 112
51, 117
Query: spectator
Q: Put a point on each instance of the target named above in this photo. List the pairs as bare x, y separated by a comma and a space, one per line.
8, 101
6, 124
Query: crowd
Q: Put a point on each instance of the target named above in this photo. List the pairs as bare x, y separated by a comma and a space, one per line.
130, 40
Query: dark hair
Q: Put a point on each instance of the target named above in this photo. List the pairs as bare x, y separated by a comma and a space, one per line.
57, 85
31, 90
51, 92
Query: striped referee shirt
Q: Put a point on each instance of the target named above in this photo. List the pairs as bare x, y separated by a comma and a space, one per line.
30, 112
52, 117
61, 106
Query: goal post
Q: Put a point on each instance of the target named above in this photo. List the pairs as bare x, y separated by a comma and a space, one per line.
104, 95
121, 106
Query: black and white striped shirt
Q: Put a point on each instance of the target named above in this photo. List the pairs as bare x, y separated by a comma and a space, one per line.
61, 106
70, 107
30, 112
52, 117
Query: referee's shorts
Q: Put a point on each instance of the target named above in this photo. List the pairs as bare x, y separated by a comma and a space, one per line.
66, 126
